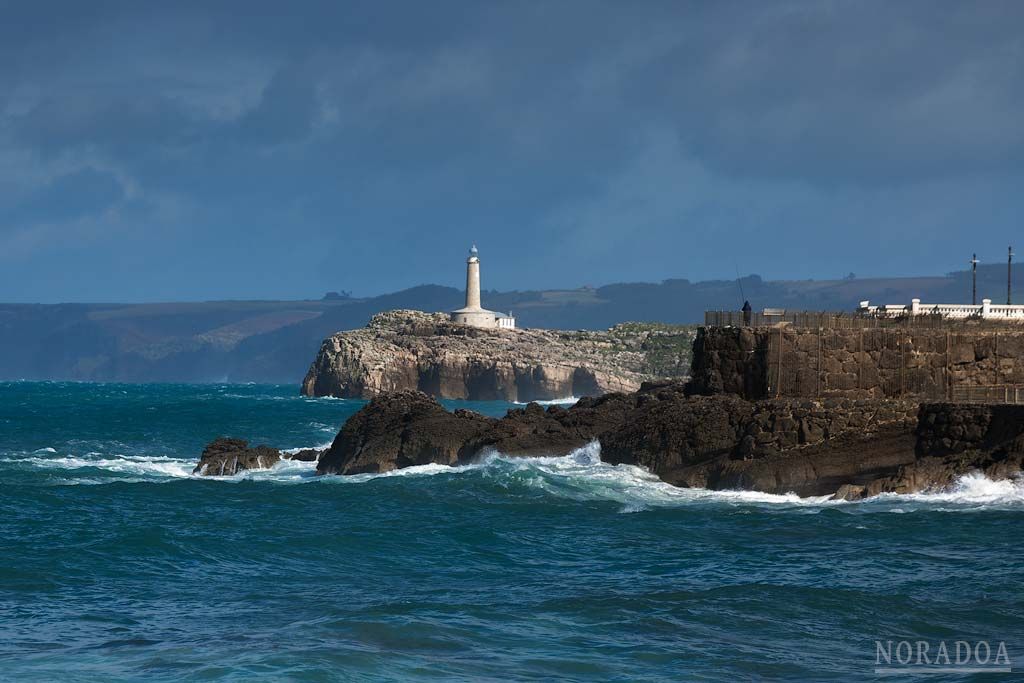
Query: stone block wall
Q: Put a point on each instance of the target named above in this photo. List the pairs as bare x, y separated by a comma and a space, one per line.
730, 360
780, 425
949, 428
936, 364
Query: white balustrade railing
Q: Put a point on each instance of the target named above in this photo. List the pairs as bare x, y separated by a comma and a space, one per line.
987, 310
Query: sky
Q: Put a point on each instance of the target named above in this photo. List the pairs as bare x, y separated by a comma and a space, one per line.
206, 150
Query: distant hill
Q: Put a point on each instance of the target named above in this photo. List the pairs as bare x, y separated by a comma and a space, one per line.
275, 341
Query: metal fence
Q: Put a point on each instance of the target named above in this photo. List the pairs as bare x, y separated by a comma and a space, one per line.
878, 363
984, 366
830, 320
996, 393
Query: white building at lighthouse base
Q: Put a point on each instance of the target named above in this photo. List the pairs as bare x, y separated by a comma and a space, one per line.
481, 317
473, 314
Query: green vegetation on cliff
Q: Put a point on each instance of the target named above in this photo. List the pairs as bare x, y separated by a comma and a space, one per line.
668, 349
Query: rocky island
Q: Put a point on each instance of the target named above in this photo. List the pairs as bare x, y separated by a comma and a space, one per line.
411, 350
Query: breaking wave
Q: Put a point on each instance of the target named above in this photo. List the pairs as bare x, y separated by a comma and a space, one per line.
970, 489
580, 476
138, 465
567, 401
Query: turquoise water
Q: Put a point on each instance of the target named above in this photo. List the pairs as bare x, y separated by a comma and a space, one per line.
116, 564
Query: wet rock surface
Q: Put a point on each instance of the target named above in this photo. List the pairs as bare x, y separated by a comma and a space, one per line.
304, 455
410, 428
398, 430
226, 457
848, 447
954, 439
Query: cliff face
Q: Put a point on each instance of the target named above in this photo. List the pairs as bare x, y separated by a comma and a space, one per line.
410, 350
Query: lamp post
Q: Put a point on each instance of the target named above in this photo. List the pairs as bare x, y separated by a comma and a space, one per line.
974, 279
1009, 272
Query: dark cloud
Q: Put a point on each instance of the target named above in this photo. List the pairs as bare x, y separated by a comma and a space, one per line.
575, 141
862, 96
80, 194
285, 112
120, 123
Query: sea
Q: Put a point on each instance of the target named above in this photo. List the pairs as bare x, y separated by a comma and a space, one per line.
118, 564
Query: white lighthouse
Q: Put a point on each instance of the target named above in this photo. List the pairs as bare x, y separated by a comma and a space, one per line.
472, 313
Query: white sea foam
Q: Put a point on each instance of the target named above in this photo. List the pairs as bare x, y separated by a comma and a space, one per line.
119, 464
283, 471
258, 397
319, 447
414, 471
567, 401
581, 475
973, 489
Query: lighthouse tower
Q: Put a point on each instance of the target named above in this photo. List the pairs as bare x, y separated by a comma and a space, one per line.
473, 280
473, 314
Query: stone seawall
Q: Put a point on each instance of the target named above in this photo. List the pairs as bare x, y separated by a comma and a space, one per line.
951, 428
926, 364
730, 360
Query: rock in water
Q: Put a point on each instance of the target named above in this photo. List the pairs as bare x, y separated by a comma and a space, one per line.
954, 439
849, 492
848, 448
305, 455
776, 446
400, 430
410, 350
225, 457
410, 428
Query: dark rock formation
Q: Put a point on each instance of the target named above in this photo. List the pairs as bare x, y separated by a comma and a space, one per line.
849, 492
848, 447
532, 431
305, 455
847, 459
410, 350
934, 472
225, 457
399, 430
410, 428
723, 442
956, 438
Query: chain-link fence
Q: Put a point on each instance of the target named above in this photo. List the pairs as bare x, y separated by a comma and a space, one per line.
850, 321
928, 364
